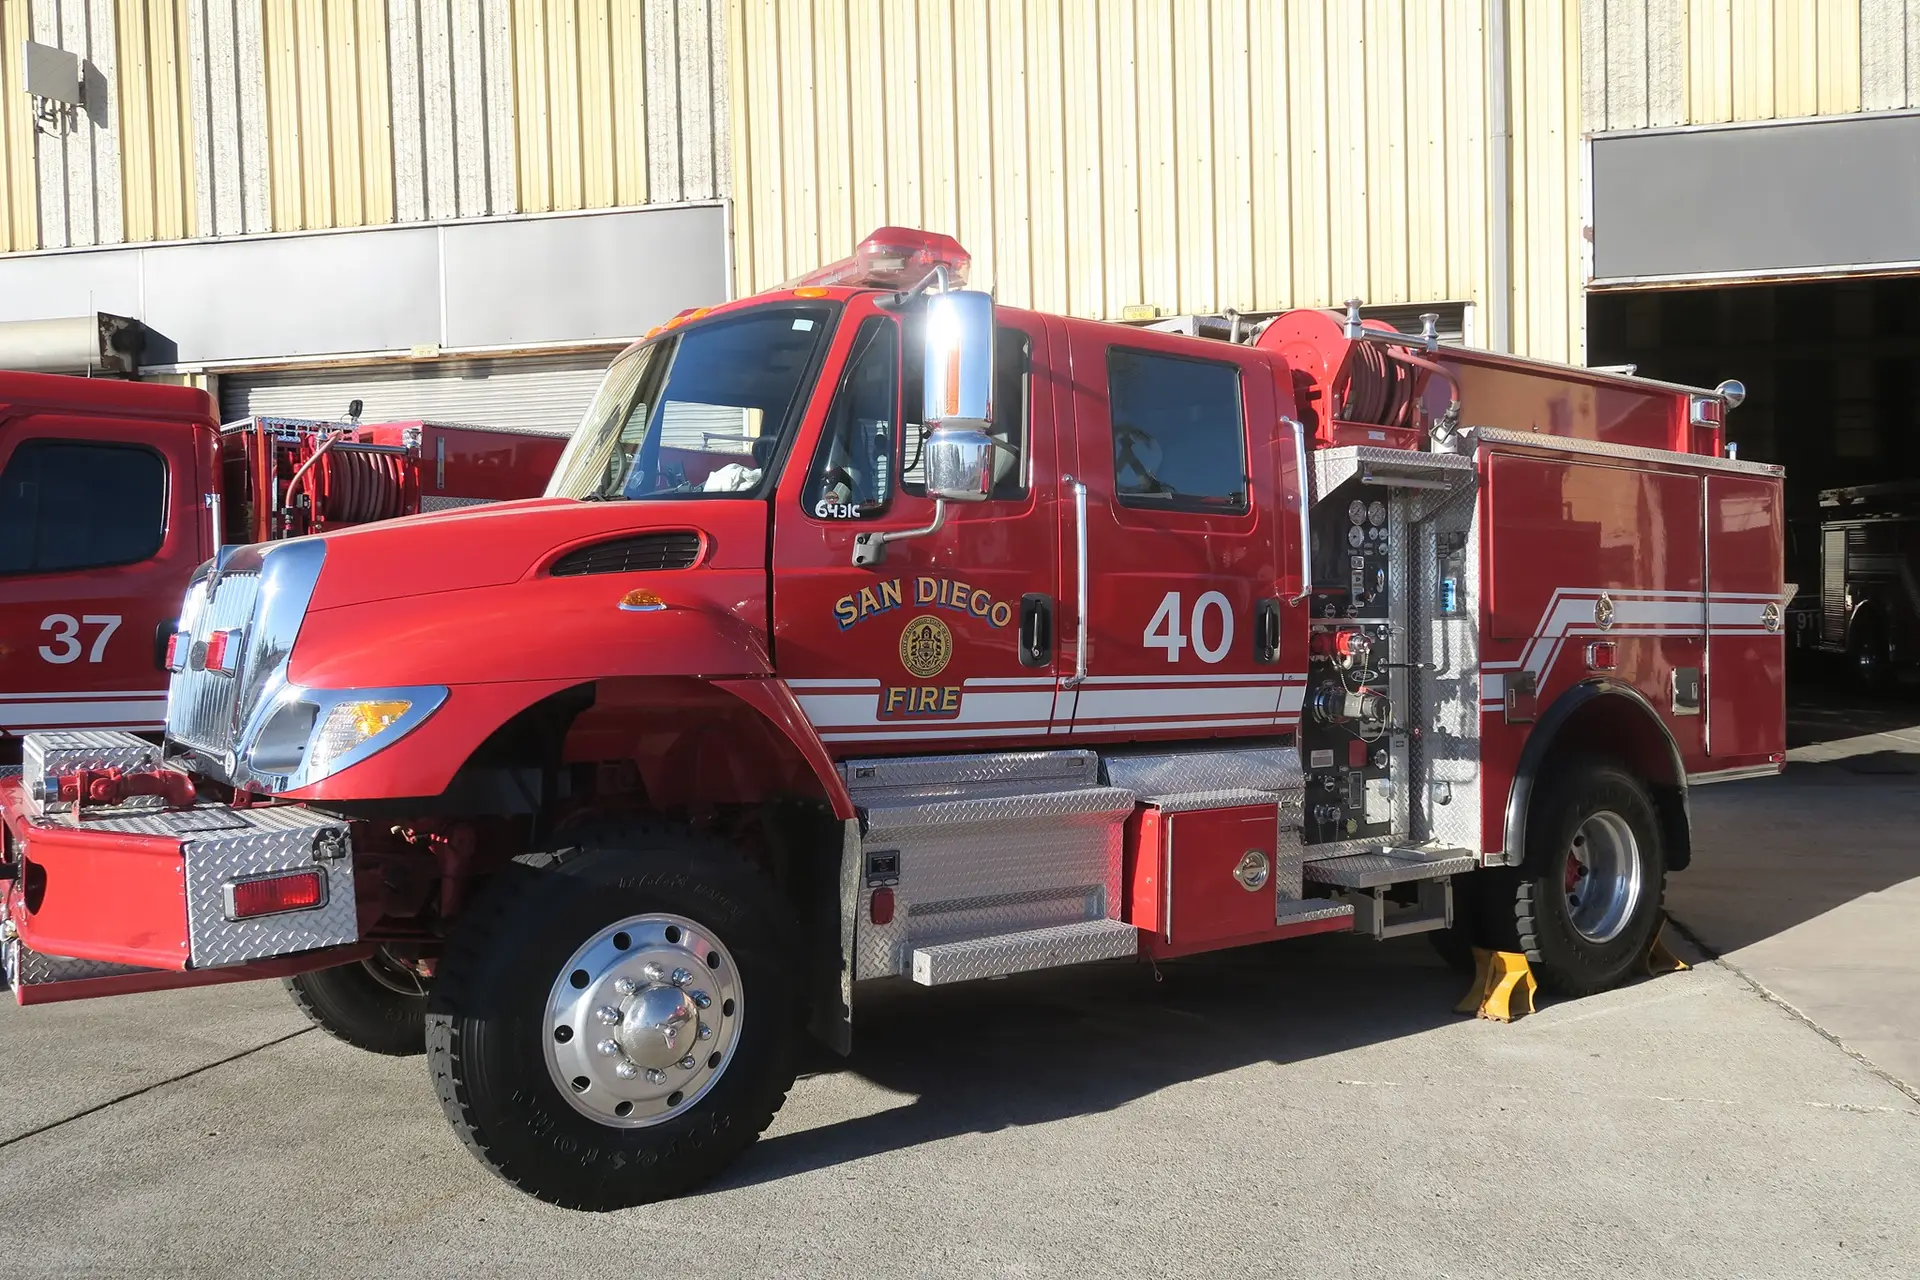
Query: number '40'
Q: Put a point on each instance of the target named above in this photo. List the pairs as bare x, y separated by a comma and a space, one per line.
1163, 632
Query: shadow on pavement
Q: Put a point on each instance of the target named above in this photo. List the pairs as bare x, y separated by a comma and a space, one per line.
986, 1056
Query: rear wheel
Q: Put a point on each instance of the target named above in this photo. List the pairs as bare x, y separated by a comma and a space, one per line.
379, 1004
1585, 903
615, 1026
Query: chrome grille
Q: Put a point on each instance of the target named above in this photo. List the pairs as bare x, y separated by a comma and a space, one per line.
200, 703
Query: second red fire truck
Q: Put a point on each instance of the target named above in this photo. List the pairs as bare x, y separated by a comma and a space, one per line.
869, 631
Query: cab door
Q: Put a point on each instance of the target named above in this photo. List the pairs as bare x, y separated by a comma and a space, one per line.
101, 526
1184, 606
950, 642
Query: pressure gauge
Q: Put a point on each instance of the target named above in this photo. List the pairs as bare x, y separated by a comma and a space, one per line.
1376, 514
1356, 535
1357, 512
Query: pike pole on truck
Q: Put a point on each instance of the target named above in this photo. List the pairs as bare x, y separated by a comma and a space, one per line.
869, 630
112, 492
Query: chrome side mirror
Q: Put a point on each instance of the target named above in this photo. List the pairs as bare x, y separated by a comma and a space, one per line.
1733, 392
959, 462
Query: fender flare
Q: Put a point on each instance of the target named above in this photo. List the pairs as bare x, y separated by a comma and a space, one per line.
1540, 743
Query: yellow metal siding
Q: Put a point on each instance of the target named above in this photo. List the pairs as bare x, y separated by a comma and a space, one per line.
1190, 154
156, 132
329, 126
19, 192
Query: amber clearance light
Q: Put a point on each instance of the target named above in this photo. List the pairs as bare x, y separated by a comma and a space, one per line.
641, 600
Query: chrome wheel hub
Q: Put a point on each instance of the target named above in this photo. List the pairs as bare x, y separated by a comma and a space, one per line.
1603, 878
642, 1020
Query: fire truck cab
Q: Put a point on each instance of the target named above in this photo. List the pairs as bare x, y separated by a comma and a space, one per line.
871, 631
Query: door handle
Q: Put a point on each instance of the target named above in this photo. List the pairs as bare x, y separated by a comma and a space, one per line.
1036, 630
1266, 632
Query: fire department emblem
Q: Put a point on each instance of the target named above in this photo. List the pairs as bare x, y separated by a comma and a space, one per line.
926, 646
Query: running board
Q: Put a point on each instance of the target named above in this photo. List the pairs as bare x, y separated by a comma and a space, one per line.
1007, 953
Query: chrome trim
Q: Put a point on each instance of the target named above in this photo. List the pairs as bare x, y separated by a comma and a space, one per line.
1739, 774
213, 517
1079, 675
1567, 444
1306, 526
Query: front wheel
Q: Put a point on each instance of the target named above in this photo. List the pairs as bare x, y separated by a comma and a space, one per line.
1586, 902
616, 1026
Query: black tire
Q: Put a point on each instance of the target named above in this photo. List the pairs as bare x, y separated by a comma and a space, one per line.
488, 1033
353, 1003
1531, 908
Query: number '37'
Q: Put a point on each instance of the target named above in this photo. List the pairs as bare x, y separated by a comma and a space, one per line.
64, 629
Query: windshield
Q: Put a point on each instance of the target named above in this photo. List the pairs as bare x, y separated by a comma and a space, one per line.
700, 413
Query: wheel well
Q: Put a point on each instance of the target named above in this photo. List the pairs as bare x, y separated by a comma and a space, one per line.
1600, 718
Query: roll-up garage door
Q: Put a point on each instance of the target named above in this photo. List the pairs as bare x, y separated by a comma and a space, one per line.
546, 394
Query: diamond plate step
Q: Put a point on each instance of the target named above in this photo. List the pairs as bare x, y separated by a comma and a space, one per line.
1389, 866
1308, 910
1020, 952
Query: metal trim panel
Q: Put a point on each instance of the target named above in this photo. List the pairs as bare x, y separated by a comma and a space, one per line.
22, 966
296, 839
1734, 775
997, 809
1334, 467
1169, 773
910, 778
1635, 453
1022, 952
1197, 801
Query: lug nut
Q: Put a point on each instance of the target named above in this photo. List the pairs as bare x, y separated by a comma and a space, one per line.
609, 1048
626, 1071
607, 1014
656, 1076
686, 1063
625, 986
701, 999
653, 972
681, 977
706, 1032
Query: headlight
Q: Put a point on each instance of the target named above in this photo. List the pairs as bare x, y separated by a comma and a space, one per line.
313, 733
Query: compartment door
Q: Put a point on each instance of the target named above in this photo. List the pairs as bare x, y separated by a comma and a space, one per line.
1746, 662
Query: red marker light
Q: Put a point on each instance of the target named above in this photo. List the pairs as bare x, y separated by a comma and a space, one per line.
177, 646
880, 910
220, 651
274, 895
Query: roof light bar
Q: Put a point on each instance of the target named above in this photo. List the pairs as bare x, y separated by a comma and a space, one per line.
893, 258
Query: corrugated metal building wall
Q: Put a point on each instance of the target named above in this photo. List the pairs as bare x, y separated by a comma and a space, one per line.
1660, 63
1190, 154
233, 117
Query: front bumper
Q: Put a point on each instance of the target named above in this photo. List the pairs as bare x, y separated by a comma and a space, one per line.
139, 887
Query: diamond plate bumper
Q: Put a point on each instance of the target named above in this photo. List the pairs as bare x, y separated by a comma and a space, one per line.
140, 885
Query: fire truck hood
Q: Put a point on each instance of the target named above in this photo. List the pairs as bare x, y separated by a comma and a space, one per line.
490, 546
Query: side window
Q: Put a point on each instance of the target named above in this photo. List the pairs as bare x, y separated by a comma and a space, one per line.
1179, 434
71, 504
1012, 405
854, 465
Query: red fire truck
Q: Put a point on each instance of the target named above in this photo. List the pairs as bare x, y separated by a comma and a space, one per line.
870, 631
112, 492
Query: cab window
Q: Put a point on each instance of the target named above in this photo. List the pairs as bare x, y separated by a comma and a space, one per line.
75, 504
854, 466
1179, 433
1012, 404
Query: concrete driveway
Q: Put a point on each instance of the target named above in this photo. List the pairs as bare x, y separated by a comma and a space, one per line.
1310, 1108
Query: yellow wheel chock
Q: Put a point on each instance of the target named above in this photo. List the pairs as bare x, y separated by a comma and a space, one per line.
1503, 986
1658, 959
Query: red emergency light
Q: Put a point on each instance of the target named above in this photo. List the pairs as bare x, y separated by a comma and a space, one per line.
893, 258
274, 895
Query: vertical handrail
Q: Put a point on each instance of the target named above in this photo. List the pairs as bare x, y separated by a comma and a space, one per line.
1080, 568
1706, 615
1306, 529
213, 509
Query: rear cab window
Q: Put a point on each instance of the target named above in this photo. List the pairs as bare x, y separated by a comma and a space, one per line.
1179, 433
68, 505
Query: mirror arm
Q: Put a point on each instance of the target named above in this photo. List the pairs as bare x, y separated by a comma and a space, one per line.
870, 549
935, 279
